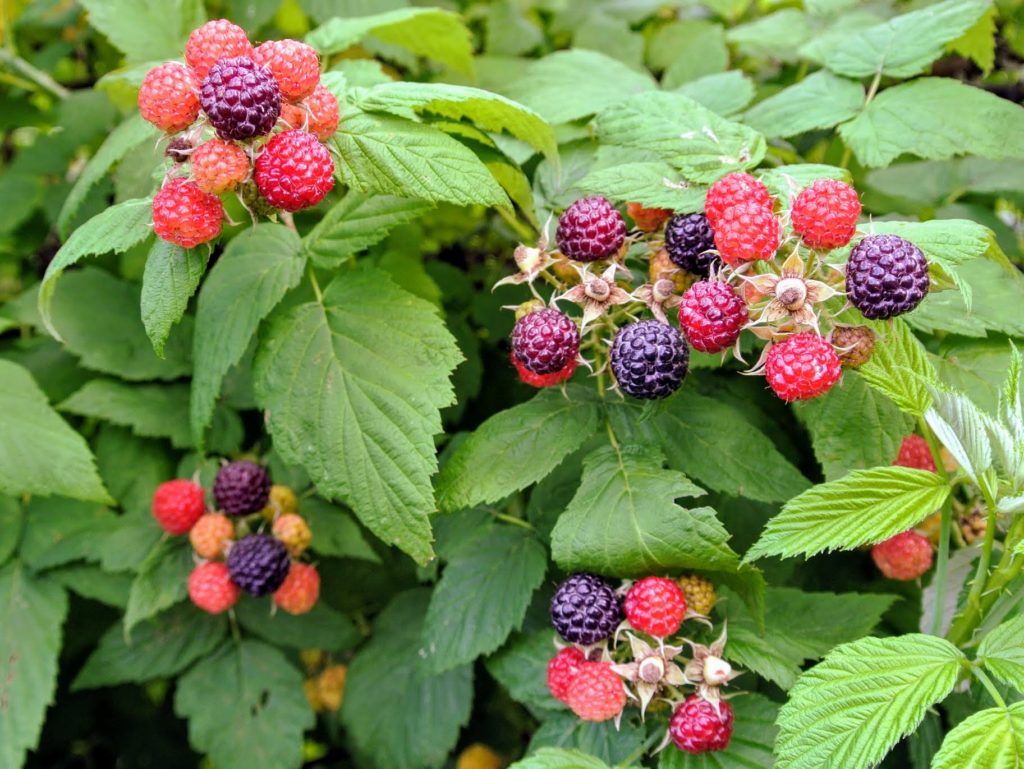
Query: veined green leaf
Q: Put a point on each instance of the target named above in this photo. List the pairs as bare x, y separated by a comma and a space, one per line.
1002, 654
821, 100
988, 739
172, 275
654, 184
558, 758
960, 426
150, 410
162, 581
145, 30
899, 367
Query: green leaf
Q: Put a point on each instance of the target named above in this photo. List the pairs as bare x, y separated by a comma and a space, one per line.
988, 739
601, 741
777, 35
558, 758
116, 229
92, 582
861, 508
32, 613
351, 386
798, 627
751, 743
654, 184
245, 707
904, 45
723, 92
518, 446
388, 155
690, 50
821, 100
1000, 311
257, 269
60, 530
1002, 654
162, 581
132, 468
387, 675
158, 648
482, 595
35, 440
12, 519
172, 275
356, 223
151, 411
146, 30
320, 628
979, 42
335, 532
960, 426
855, 705
431, 32
521, 667
899, 367
785, 182
935, 118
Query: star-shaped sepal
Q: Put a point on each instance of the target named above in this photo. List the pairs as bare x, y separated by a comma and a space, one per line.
595, 294
659, 296
708, 671
790, 294
652, 669
531, 261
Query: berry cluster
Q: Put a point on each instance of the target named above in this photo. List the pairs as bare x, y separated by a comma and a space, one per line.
222, 105
620, 651
233, 554
719, 269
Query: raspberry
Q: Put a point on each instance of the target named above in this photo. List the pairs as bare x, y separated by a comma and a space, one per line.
282, 500
299, 591
241, 98
699, 592
649, 359
655, 605
294, 171
293, 530
479, 756
697, 727
801, 367
854, 345
585, 609
294, 65
734, 189
185, 215
647, 219
597, 693
219, 166
211, 534
562, 670
914, 452
330, 686
712, 315
746, 232
825, 214
690, 243
168, 97
259, 564
320, 115
886, 276
904, 557
211, 589
213, 41
545, 341
178, 149
241, 488
177, 505
544, 380
590, 229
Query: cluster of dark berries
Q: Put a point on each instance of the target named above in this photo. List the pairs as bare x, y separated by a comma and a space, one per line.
233, 554
241, 94
618, 653
719, 269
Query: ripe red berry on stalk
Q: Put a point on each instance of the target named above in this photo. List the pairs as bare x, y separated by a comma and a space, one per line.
802, 366
655, 605
746, 232
597, 693
211, 589
914, 452
734, 189
697, 726
300, 590
215, 40
562, 670
185, 215
169, 97
712, 315
294, 171
177, 505
825, 214
590, 229
904, 557
294, 65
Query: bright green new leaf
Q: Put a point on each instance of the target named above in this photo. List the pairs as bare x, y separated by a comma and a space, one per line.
558, 758
979, 42
162, 581
960, 426
899, 367
988, 739
1002, 654
145, 30
821, 100
172, 275
150, 410
751, 744
723, 92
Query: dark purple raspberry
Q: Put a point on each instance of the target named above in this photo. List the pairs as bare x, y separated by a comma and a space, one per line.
241, 488
240, 98
886, 276
545, 341
178, 150
690, 243
591, 229
585, 609
649, 359
258, 564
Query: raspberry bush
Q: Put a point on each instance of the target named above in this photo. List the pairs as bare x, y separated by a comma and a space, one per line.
511, 385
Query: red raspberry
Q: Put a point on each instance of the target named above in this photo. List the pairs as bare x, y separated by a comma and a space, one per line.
294, 532
825, 214
647, 219
656, 605
712, 315
745, 232
545, 341
562, 670
169, 97
294, 171
300, 590
185, 215
731, 190
590, 229
294, 65
219, 166
177, 505
215, 40
544, 380
211, 534
697, 727
801, 367
319, 115
597, 693
904, 557
211, 589
914, 452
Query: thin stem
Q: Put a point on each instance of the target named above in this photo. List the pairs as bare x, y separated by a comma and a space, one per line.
981, 577
872, 92
511, 519
37, 76
944, 529
313, 282
990, 687
611, 435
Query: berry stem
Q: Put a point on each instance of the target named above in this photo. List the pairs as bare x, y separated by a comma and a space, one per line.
313, 282
944, 528
990, 687
510, 519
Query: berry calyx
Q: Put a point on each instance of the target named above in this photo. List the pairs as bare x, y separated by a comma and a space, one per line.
697, 726
544, 380
545, 341
854, 345
258, 564
169, 97
294, 65
647, 219
179, 149
300, 590
655, 605
746, 232
177, 505
590, 229
649, 359
734, 189
211, 589
886, 276
241, 488
219, 166
825, 214
213, 41
802, 366
597, 693
699, 592
240, 98
294, 171
562, 670
690, 243
318, 114
585, 609
185, 215
211, 535
294, 532
914, 452
712, 315
904, 557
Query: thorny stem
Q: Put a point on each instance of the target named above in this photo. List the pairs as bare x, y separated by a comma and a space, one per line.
944, 528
